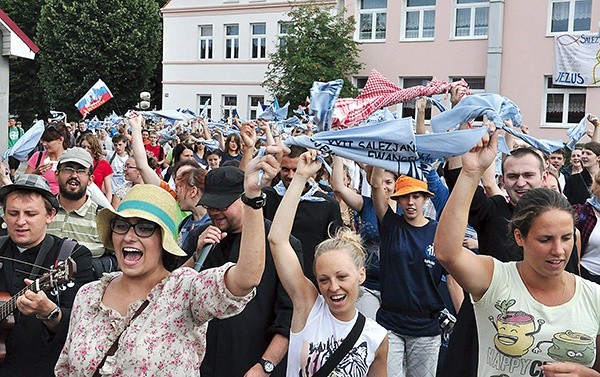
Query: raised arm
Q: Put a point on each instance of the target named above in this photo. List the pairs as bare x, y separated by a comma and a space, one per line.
139, 152
349, 196
472, 272
380, 200
420, 105
248, 135
300, 289
247, 272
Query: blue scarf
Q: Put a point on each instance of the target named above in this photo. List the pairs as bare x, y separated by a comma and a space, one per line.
307, 197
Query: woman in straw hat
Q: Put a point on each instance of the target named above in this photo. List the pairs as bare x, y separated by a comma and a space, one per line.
530, 312
167, 336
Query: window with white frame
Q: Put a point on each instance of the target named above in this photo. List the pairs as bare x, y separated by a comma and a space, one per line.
259, 40
570, 15
471, 18
564, 105
206, 42
228, 104
419, 19
202, 98
372, 20
232, 41
284, 29
409, 107
254, 106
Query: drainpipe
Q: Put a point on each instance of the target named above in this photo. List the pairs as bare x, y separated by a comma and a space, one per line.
494, 53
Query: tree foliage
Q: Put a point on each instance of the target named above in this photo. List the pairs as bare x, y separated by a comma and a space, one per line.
81, 41
318, 47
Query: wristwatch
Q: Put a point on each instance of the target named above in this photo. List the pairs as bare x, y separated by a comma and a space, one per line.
53, 314
256, 203
267, 365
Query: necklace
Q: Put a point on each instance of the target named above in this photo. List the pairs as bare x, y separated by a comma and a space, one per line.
531, 292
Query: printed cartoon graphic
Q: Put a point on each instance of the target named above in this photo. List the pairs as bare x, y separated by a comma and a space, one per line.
314, 355
515, 329
570, 346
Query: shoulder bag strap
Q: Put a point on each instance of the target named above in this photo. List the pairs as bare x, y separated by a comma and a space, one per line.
112, 158
343, 349
39, 159
115, 345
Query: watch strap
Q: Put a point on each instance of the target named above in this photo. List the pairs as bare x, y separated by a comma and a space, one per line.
255, 203
53, 314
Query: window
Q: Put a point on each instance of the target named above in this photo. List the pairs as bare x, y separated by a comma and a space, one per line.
232, 42
228, 105
476, 84
284, 29
259, 41
253, 105
360, 82
571, 15
372, 20
420, 19
202, 98
565, 105
206, 42
408, 108
471, 18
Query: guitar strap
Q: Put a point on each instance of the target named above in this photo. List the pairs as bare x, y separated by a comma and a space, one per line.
66, 249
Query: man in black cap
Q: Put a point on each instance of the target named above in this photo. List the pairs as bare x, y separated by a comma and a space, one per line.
41, 319
256, 340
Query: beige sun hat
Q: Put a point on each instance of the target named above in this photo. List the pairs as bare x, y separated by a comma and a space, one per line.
148, 202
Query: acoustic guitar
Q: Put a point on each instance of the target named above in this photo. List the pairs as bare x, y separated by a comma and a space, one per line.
63, 273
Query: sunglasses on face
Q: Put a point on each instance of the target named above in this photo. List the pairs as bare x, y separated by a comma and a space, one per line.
142, 229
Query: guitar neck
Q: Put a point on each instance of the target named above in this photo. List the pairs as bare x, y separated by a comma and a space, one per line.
9, 306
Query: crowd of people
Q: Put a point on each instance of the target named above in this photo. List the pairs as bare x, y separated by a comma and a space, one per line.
219, 250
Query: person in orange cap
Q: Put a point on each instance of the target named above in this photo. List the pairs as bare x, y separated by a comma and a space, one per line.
409, 276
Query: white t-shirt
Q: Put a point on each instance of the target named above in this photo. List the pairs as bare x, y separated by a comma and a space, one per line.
517, 334
310, 348
117, 164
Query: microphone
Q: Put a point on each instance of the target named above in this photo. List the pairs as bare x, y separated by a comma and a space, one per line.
206, 249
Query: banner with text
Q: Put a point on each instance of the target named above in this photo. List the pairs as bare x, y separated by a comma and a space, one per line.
577, 59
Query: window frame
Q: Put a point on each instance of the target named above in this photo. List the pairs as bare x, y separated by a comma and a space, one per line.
566, 91
234, 49
473, 7
421, 10
571, 19
201, 100
374, 13
209, 48
227, 110
281, 30
254, 108
404, 106
261, 39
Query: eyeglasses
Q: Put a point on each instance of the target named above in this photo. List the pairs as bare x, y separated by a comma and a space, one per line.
70, 171
129, 167
142, 229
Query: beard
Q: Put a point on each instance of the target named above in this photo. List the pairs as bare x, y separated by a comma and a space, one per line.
72, 195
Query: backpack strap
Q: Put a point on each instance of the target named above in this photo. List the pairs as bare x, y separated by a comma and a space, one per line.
112, 158
39, 159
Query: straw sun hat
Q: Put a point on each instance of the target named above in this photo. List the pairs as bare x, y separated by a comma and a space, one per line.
148, 202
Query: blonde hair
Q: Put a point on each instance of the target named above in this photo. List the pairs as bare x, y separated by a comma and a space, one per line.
344, 239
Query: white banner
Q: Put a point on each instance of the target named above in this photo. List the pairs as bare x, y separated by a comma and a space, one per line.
577, 59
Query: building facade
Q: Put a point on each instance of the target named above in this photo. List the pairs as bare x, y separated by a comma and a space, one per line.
219, 51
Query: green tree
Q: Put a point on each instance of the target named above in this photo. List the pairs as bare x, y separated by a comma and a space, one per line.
118, 41
319, 46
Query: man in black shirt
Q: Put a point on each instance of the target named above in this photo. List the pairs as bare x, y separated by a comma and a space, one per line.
41, 319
